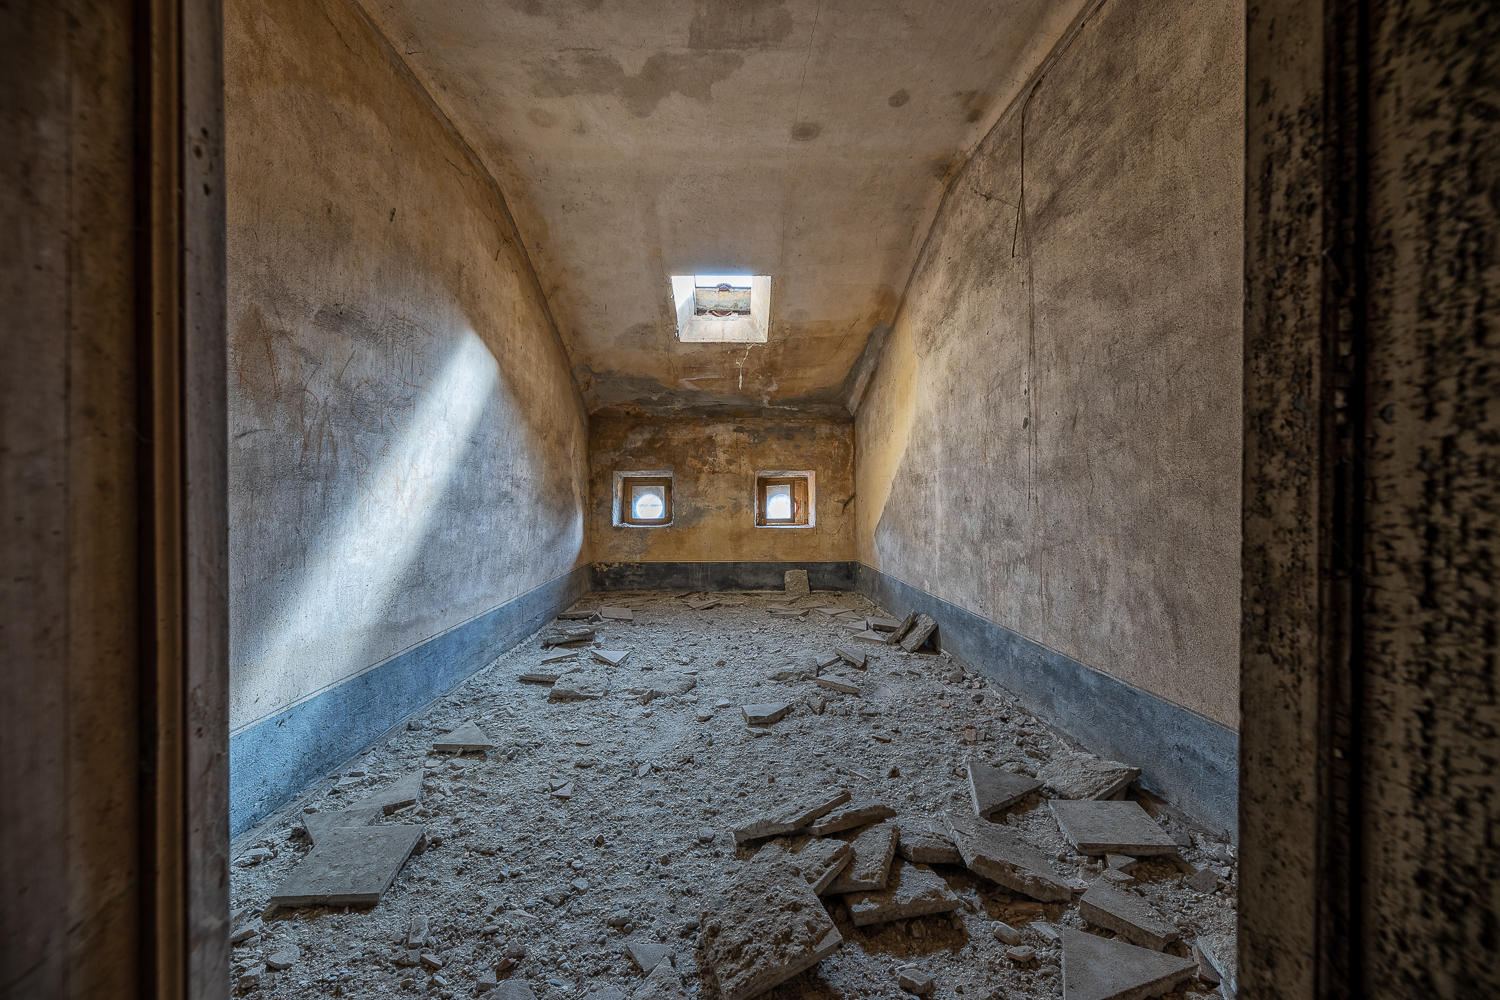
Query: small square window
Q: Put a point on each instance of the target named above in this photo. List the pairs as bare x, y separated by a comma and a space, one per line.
644, 500
784, 499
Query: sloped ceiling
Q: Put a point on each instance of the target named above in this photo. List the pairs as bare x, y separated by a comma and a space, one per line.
811, 141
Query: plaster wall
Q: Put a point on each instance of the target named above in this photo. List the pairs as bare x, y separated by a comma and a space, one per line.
1051, 440
407, 448
714, 463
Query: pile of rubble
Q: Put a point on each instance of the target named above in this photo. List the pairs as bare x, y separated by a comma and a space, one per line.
650, 824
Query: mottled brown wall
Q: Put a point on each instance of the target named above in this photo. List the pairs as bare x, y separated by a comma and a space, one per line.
1051, 440
407, 447
714, 463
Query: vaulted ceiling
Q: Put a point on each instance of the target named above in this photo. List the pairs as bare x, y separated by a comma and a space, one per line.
811, 140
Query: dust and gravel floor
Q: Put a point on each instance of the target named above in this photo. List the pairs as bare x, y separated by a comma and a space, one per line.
513, 868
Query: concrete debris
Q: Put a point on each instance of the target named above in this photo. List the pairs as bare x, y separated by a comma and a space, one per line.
663, 983
1121, 863
849, 816
321, 825
1116, 878
576, 616
1205, 881
353, 867
762, 929
910, 891
1128, 915
833, 612
914, 980
1206, 970
646, 954
853, 658
993, 789
796, 583
874, 849
921, 844
998, 854
1115, 827
563, 656
1096, 968
1021, 953
254, 856
795, 815
513, 989
1084, 776
580, 685
788, 612
249, 929
468, 739
765, 715
899, 632
882, 624
817, 861
617, 614
870, 636
702, 605
835, 685
922, 632
607, 993
1046, 931
826, 660
536, 677
614, 657
567, 791
416, 932
1005, 933
566, 636
1219, 948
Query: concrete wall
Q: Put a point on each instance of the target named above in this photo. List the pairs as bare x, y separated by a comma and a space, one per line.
1052, 439
714, 463
407, 448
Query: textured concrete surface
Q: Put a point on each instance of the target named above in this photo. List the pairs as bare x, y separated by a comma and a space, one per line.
714, 464
407, 450
1051, 439
640, 139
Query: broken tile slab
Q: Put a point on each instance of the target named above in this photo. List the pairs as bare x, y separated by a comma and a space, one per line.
512, 989
352, 867
580, 685
922, 844
1021, 953
787, 612
565, 656
1096, 968
1075, 775
536, 677
871, 868
606, 993
702, 605
993, 789
1128, 915
833, 612
1005, 933
762, 929
575, 616
1117, 878
852, 657
1000, 855
565, 636
664, 983
818, 861
796, 583
320, 825
1219, 948
878, 624
765, 715
824, 660
647, 954
835, 685
851, 815
1204, 881
921, 632
910, 891
284, 959
1111, 827
567, 791
404, 791
465, 739
617, 614
614, 657
871, 635
915, 981
794, 815
417, 931
1121, 863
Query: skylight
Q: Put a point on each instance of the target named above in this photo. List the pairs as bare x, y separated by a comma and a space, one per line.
722, 308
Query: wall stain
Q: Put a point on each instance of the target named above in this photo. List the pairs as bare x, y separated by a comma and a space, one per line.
691, 74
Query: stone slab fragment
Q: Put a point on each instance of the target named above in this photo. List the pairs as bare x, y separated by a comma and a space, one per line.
1096, 968
1084, 776
617, 614
871, 867
785, 817
1000, 855
352, 867
465, 739
1128, 915
796, 583
882, 624
765, 715
903, 628
1219, 948
993, 789
580, 685
910, 891
702, 605
566, 636
921, 844
837, 685
647, 954
512, 989
921, 631
538, 677
664, 983
851, 815
817, 861
852, 657
1111, 827
762, 929
575, 616
870, 635
404, 791
613, 657
321, 825
564, 656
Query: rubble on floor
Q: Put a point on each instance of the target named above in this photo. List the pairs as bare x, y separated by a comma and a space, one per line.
603, 827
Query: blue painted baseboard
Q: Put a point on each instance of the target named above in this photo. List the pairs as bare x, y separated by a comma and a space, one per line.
273, 760
713, 576
1186, 758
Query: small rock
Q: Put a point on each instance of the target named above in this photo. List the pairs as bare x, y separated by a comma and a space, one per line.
1020, 953
1204, 881
1005, 933
706, 835
283, 959
430, 961
515, 950
914, 980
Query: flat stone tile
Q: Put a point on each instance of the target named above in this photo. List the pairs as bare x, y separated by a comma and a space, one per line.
465, 739
1000, 855
404, 791
921, 844
1114, 827
847, 817
871, 868
762, 929
816, 860
1096, 968
787, 816
910, 891
1084, 776
321, 825
993, 789
1128, 915
352, 867
647, 954
765, 715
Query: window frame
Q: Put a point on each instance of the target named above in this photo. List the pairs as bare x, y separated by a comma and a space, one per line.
804, 498
624, 516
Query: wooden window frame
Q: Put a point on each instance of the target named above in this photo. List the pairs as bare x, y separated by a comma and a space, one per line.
801, 501
627, 507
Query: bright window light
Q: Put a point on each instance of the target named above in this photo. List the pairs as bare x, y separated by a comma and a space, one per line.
715, 280
649, 505
722, 308
778, 503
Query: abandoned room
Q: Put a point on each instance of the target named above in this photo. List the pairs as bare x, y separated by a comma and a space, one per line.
731, 499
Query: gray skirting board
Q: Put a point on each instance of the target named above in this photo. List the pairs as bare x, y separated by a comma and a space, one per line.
717, 576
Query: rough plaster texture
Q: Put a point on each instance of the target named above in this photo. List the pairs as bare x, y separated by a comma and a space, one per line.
641, 138
714, 463
407, 447
1051, 439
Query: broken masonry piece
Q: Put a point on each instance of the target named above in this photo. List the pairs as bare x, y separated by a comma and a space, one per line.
1130, 916
851, 657
833, 685
762, 929
1096, 968
1111, 827
564, 636
1084, 776
993, 789
921, 633
998, 854
874, 850
352, 867
915, 981
796, 584
765, 715
795, 815
849, 816
910, 891
465, 739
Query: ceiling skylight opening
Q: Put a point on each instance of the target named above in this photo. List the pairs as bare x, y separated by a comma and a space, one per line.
722, 308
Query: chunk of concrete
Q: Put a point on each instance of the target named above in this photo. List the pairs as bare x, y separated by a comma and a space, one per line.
404, 791
1005, 933
512, 989
566, 636
836, 685
788, 612
417, 931
1096, 968
793, 815
870, 635
900, 631
538, 677
617, 614
575, 616
465, 739
663, 983
852, 657
580, 685
993, 789
647, 954
1113, 827
564, 656
851, 815
613, 657
817, 861
910, 891
606, 993
1219, 949
921, 632
702, 605
321, 825
1084, 776
352, 867
765, 715
871, 868
923, 845
1000, 855
283, 959
915, 981
762, 929
1204, 881
882, 624
1128, 915
796, 583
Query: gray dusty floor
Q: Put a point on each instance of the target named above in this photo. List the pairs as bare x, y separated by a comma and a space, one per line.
504, 851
